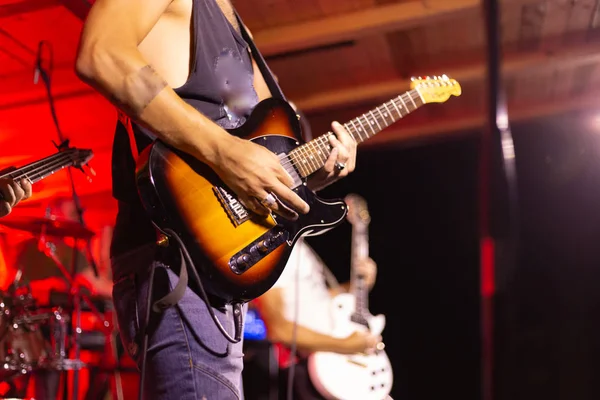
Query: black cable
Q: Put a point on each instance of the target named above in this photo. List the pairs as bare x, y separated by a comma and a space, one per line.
293, 346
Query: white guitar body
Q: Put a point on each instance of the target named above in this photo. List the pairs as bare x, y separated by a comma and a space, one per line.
356, 376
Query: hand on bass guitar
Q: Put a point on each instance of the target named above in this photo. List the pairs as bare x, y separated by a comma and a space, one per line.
11, 193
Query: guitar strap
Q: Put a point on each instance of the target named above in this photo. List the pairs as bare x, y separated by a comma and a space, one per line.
260, 61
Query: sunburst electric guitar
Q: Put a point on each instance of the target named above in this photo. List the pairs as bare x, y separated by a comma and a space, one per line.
240, 254
355, 376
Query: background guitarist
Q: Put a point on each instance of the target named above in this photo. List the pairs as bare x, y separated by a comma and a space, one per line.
11, 193
316, 286
182, 71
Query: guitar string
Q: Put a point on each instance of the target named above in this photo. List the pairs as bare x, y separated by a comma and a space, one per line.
33, 164
39, 173
292, 160
34, 173
351, 127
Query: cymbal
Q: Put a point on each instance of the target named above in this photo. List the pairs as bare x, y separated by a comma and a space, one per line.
46, 226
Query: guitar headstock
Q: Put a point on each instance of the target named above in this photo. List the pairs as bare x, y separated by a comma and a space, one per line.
78, 157
358, 213
436, 89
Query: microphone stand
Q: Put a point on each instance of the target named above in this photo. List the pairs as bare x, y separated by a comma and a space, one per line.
45, 74
498, 225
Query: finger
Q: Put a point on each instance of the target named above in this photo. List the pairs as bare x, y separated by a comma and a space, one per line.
254, 205
290, 198
348, 142
330, 163
277, 207
26, 185
343, 154
343, 157
4, 208
8, 194
286, 178
18, 191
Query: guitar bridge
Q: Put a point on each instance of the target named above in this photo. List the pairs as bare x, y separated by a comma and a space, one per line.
234, 209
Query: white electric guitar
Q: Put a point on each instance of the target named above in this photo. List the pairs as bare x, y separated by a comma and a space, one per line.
357, 376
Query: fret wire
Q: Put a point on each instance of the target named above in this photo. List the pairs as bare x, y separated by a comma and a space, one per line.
357, 131
377, 122
411, 99
294, 157
317, 154
311, 158
384, 119
396, 107
307, 160
387, 110
298, 158
421, 97
369, 124
402, 100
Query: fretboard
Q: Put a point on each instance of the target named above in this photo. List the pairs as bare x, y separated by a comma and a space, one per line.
40, 169
358, 287
312, 155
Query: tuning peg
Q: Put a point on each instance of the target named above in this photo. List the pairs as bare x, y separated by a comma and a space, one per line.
87, 175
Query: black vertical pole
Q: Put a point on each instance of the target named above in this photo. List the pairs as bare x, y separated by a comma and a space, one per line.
498, 209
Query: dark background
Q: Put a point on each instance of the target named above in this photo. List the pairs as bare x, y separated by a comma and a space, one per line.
423, 202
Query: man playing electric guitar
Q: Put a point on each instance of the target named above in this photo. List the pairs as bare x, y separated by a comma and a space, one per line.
307, 288
183, 72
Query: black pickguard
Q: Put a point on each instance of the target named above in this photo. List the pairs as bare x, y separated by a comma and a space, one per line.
323, 214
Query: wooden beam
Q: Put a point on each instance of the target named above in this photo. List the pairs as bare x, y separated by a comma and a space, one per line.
349, 26
513, 63
467, 124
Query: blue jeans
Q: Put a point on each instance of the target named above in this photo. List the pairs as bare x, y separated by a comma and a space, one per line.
188, 357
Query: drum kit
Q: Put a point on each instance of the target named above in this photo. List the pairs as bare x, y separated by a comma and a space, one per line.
48, 337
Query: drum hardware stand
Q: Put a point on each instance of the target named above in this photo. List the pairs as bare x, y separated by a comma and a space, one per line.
61, 363
45, 73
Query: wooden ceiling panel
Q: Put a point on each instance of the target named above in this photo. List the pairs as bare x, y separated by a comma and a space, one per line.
275, 13
365, 61
333, 7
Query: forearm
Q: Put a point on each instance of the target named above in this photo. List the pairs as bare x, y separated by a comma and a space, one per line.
123, 76
307, 340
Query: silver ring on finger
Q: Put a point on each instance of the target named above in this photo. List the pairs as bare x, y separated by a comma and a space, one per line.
268, 201
340, 166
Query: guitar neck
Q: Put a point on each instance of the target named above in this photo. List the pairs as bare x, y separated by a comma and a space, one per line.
358, 286
38, 170
312, 155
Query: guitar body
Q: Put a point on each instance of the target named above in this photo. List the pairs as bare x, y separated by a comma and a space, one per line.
239, 254
351, 376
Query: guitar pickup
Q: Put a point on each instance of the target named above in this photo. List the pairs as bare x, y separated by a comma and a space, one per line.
243, 260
